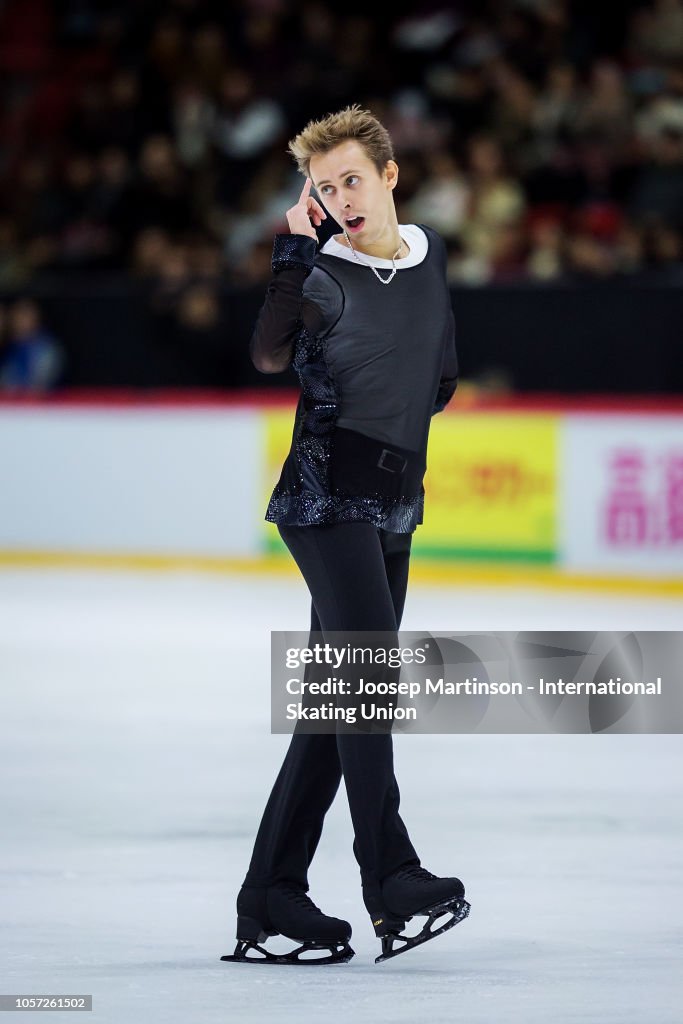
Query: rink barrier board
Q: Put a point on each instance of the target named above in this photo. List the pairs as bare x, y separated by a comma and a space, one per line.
466, 560
467, 399
274, 546
446, 573
491, 486
592, 492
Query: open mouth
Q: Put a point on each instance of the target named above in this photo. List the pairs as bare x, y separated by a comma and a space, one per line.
355, 223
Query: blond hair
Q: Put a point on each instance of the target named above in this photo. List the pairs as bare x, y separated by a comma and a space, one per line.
350, 123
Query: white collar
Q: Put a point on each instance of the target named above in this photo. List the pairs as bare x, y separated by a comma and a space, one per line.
413, 235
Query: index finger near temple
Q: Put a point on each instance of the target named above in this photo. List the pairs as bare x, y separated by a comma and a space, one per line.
305, 190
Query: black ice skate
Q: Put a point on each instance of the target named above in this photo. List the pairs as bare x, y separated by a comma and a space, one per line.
284, 909
413, 892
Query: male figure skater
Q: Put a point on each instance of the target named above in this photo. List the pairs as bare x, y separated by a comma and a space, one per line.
367, 323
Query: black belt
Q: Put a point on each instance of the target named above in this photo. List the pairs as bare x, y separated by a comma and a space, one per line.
364, 465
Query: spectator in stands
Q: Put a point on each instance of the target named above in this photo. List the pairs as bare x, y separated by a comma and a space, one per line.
606, 111
496, 203
441, 198
512, 118
545, 258
149, 253
13, 267
159, 196
660, 30
245, 126
31, 359
658, 191
556, 110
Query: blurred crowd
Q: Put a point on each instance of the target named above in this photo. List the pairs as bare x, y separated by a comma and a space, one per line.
539, 136
542, 138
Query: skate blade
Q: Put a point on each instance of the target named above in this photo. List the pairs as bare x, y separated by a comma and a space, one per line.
459, 910
340, 953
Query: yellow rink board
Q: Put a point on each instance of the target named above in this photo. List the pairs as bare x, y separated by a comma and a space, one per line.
490, 486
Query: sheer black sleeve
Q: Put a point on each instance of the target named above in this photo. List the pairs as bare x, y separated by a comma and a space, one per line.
448, 380
449, 369
280, 318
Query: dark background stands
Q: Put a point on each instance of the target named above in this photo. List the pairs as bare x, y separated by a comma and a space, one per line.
143, 173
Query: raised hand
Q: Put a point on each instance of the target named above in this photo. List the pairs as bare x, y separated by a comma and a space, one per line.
307, 209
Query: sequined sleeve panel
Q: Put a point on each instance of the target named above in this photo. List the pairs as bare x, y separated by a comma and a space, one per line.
293, 251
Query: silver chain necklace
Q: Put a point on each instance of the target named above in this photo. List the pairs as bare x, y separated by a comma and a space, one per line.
384, 280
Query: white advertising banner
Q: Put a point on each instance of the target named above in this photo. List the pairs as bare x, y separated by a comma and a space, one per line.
193, 481
159, 481
621, 506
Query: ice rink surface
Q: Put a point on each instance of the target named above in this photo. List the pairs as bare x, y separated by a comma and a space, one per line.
136, 759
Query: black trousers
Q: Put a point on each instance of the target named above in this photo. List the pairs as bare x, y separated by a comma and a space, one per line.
357, 575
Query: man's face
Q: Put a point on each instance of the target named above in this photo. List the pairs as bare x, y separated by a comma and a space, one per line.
349, 185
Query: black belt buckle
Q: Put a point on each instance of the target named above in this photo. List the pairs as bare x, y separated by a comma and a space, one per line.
384, 462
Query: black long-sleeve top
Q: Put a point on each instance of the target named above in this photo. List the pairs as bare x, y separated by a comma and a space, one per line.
375, 363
